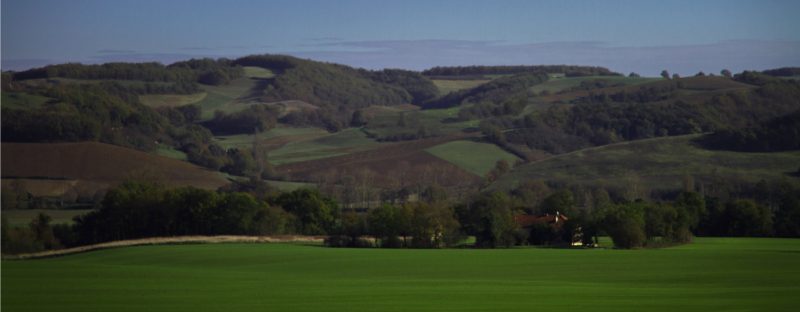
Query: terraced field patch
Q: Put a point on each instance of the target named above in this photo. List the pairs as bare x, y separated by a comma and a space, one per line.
475, 157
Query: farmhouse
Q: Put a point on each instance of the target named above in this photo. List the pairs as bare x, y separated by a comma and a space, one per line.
554, 221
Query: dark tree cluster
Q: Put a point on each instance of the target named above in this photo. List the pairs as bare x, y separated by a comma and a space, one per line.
783, 72
418, 86
118, 71
568, 70
185, 74
779, 134
256, 118
137, 210
210, 71
601, 120
87, 112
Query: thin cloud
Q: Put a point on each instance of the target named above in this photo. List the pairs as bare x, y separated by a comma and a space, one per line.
114, 51
735, 55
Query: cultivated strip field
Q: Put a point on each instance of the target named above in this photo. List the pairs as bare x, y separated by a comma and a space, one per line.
712, 274
99, 163
392, 161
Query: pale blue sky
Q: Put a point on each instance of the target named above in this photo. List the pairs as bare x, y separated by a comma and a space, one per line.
642, 36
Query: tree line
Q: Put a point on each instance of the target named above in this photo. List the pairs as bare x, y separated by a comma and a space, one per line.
206, 71
568, 70
778, 134
142, 209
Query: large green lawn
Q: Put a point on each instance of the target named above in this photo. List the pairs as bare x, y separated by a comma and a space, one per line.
713, 274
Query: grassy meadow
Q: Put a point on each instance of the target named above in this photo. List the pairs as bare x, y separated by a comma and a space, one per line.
171, 100
21, 100
446, 86
659, 163
477, 158
712, 274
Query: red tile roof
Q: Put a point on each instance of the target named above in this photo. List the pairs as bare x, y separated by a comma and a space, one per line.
529, 220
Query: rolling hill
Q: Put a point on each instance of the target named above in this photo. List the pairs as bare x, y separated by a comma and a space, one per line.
659, 164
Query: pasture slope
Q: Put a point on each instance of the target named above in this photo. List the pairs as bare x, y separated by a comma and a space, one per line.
659, 163
712, 274
475, 157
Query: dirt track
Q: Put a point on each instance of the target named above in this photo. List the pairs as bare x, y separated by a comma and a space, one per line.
169, 240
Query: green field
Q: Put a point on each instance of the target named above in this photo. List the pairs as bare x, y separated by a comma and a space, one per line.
712, 274
434, 121
171, 152
477, 158
227, 98
447, 86
659, 163
22, 217
171, 100
19, 100
258, 72
341, 143
286, 133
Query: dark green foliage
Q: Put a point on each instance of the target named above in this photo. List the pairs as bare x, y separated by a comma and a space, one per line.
625, 224
652, 112
495, 91
490, 109
208, 71
358, 119
87, 112
388, 223
569, 70
561, 201
783, 72
316, 214
779, 134
433, 225
43, 232
337, 90
41, 126
120, 71
256, 118
746, 218
241, 163
136, 210
753, 77
490, 219
211, 72
418, 86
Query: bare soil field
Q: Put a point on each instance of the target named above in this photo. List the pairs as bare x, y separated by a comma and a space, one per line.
389, 161
98, 163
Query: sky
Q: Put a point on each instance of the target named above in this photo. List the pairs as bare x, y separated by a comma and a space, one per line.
640, 36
